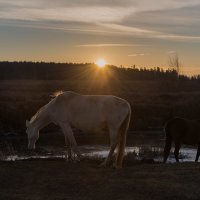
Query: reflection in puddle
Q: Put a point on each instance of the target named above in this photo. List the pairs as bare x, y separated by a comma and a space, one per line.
155, 153
17, 157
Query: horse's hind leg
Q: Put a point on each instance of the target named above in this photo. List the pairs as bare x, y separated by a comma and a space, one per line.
167, 149
176, 151
113, 144
198, 153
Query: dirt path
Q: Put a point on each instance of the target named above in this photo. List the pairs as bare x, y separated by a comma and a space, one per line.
60, 180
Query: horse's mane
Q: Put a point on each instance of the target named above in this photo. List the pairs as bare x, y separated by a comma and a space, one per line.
57, 93
37, 113
54, 95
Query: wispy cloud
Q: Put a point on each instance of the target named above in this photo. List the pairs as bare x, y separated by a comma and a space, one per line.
110, 45
134, 55
178, 37
83, 11
75, 14
113, 16
128, 29
171, 52
146, 33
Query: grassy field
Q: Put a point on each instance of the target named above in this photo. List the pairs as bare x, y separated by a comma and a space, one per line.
52, 180
153, 102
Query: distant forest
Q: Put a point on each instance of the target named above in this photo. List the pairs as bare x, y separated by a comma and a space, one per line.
82, 71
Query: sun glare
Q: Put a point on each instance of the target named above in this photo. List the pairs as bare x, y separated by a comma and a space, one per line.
101, 63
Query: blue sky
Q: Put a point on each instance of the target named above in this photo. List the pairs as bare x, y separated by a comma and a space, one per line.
140, 32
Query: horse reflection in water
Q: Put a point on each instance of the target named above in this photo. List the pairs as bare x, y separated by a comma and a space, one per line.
89, 113
181, 131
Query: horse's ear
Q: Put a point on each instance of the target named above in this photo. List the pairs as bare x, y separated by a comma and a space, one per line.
27, 123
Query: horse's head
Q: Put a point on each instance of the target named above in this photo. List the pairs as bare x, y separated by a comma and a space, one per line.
33, 135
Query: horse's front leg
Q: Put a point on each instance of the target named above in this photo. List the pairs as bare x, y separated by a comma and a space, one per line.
68, 153
70, 140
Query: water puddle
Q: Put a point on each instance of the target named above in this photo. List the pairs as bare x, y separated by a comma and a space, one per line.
143, 152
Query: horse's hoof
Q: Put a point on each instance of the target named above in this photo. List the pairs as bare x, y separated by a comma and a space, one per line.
79, 158
103, 165
71, 160
68, 160
76, 159
114, 166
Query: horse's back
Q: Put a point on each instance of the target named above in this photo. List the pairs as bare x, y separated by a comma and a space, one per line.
92, 103
100, 107
90, 111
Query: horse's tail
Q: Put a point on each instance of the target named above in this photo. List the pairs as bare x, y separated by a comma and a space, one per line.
122, 139
168, 142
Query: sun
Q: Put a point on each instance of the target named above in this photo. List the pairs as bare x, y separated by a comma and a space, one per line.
101, 63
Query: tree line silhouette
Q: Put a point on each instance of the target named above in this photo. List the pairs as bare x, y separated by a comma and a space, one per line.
71, 71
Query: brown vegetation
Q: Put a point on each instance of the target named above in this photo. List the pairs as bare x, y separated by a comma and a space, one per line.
61, 180
152, 101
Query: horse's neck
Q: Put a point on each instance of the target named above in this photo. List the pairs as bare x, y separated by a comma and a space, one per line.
41, 121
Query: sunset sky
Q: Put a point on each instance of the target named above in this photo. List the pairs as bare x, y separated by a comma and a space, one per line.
128, 32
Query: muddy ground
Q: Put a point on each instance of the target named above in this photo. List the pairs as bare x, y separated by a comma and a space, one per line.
58, 179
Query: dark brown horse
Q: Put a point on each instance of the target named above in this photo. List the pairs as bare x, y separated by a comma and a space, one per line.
181, 131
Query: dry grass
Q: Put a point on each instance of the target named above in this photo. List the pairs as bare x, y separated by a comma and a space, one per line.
6, 149
151, 101
61, 180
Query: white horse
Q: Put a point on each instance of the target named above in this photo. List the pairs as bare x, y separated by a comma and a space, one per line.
89, 113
